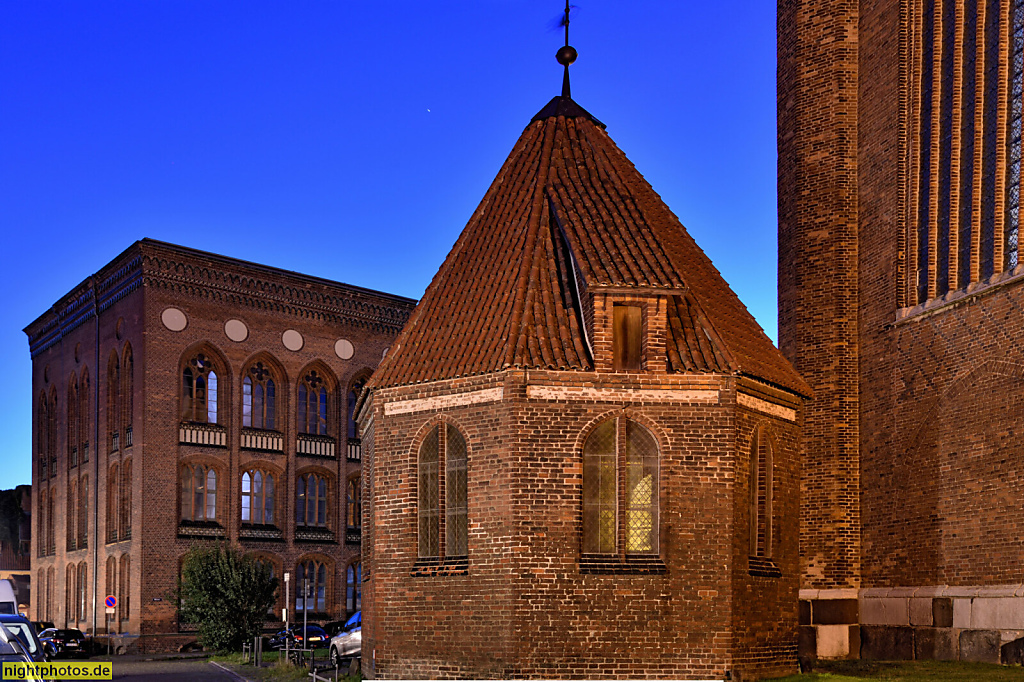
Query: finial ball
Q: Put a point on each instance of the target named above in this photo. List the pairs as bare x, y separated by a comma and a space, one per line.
566, 55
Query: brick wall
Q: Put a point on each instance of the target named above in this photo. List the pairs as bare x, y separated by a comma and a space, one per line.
528, 604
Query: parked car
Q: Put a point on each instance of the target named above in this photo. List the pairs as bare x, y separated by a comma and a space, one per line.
63, 642
13, 650
22, 629
315, 637
41, 625
8, 603
348, 643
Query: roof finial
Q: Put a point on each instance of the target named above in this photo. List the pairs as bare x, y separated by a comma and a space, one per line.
566, 54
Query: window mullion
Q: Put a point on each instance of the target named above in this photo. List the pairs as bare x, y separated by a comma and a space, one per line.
620, 487
442, 469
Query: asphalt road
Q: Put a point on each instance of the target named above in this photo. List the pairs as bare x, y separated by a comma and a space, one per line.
196, 670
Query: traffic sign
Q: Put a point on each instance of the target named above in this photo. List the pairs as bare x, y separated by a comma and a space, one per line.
110, 601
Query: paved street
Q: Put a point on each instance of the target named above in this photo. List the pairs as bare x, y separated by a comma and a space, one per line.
198, 670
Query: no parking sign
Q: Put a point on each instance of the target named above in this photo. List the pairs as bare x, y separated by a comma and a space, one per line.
111, 602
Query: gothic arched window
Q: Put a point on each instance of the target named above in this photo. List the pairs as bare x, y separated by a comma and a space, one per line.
257, 497
443, 459
311, 500
114, 402
258, 398
84, 423
353, 396
199, 391
72, 425
620, 455
761, 493
353, 587
315, 597
352, 505
313, 404
198, 493
113, 514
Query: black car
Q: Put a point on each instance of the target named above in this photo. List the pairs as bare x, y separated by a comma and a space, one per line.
63, 642
315, 637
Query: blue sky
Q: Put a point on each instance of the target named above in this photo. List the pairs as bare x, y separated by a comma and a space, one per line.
351, 140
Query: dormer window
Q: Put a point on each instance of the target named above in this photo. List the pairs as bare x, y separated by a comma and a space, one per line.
627, 337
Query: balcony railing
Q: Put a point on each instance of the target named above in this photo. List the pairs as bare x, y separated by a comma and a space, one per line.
128, 437
315, 446
355, 450
203, 434
353, 536
258, 439
115, 441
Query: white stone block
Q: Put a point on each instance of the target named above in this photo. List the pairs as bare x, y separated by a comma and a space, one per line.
921, 612
833, 641
1005, 613
885, 611
962, 613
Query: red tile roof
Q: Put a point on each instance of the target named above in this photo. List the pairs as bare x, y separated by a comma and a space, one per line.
506, 295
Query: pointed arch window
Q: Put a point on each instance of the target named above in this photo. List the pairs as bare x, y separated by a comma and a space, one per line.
198, 493
42, 430
83, 513
84, 418
199, 391
353, 506
72, 509
311, 500
51, 435
258, 398
257, 497
113, 479
443, 465
313, 404
124, 585
761, 493
114, 402
353, 587
315, 597
51, 539
70, 592
72, 425
127, 391
621, 489
125, 516
112, 576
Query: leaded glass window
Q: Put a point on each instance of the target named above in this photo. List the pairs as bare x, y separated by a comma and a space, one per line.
198, 493
311, 586
258, 398
313, 404
621, 487
443, 463
311, 500
257, 497
199, 391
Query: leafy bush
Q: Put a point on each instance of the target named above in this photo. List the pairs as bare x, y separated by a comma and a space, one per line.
226, 594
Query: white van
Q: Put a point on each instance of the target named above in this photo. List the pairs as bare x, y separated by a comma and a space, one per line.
8, 604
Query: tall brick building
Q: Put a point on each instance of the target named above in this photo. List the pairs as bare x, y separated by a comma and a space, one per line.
582, 452
182, 397
900, 302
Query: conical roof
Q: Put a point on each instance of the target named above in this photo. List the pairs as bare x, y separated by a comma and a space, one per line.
569, 213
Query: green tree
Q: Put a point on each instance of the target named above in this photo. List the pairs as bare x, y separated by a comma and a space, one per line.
226, 593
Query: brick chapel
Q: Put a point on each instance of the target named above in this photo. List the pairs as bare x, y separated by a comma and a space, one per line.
582, 452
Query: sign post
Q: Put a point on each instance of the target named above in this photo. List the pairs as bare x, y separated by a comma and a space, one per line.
287, 596
110, 602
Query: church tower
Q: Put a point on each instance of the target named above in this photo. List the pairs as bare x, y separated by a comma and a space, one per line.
900, 302
582, 453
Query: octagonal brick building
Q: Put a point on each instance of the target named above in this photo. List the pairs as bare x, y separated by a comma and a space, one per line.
581, 454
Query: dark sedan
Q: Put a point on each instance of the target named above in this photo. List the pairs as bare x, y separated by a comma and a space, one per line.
315, 638
63, 642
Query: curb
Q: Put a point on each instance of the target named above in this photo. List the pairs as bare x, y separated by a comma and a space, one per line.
229, 671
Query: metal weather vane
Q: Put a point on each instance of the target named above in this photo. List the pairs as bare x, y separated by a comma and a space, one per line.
566, 54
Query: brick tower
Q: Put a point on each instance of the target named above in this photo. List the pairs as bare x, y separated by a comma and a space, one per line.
582, 451
901, 304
